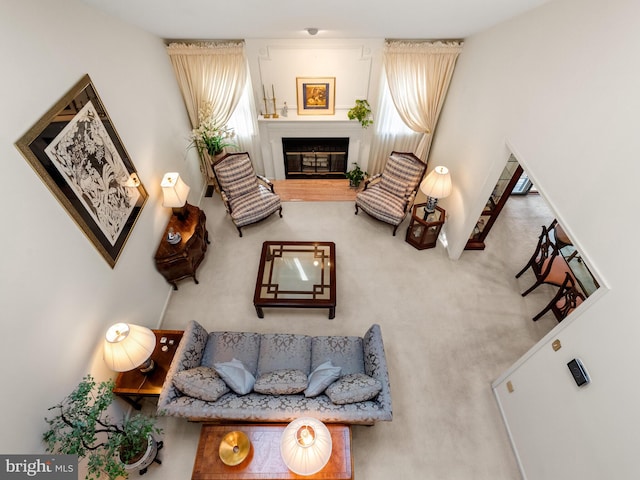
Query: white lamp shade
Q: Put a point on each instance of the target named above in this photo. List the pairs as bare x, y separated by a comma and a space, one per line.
305, 446
127, 346
437, 184
174, 190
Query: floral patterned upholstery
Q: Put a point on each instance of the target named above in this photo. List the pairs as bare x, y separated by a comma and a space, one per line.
344, 352
279, 351
260, 407
225, 346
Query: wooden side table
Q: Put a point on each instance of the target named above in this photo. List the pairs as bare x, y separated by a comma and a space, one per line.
423, 233
181, 260
133, 385
264, 461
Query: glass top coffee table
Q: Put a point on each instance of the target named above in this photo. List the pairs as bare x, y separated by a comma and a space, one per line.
296, 275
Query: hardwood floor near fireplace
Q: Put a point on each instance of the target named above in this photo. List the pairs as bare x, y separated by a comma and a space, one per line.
314, 190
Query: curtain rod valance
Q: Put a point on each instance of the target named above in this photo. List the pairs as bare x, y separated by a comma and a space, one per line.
434, 47
230, 47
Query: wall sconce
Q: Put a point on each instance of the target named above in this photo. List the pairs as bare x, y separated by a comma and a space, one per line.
175, 193
436, 185
133, 181
305, 446
128, 346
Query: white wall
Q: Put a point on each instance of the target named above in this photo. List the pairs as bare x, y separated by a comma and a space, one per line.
560, 85
274, 63
57, 294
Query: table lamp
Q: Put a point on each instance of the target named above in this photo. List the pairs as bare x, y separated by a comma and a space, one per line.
305, 446
128, 346
175, 193
436, 185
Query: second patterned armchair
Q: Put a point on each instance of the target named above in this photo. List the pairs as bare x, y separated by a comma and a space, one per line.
389, 195
247, 197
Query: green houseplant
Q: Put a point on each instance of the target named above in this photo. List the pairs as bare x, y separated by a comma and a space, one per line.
81, 426
361, 112
355, 175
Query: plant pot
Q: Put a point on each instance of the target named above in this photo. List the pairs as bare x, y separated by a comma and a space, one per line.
354, 183
144, 459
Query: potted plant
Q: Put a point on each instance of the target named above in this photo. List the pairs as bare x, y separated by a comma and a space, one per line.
355, 175
81, 426
361, 112
209, 137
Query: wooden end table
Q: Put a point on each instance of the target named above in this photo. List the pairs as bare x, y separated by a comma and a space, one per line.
133, 385
423, 233
264, 461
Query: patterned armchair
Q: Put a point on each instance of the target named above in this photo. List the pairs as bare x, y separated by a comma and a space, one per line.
247, 197
389, 196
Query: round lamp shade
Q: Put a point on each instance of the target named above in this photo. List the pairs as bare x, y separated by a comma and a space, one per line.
437, 184
305, 446
127, 346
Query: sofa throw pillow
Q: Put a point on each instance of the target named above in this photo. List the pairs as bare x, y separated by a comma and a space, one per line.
323, 376
352, 388
281, 382
200, 382
236, 376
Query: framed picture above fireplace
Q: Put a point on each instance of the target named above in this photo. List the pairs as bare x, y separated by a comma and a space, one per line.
316, 95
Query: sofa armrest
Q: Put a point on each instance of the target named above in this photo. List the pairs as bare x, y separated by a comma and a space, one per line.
375, 365
188, 355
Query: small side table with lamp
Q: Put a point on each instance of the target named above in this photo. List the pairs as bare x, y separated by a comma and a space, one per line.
185, 239
427, 218
142, 356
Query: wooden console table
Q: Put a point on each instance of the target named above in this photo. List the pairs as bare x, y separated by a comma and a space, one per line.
181, 260
264, 461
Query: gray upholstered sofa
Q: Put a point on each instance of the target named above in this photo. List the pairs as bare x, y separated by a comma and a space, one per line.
267, 354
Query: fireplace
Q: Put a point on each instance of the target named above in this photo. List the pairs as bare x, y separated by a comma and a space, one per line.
315, 157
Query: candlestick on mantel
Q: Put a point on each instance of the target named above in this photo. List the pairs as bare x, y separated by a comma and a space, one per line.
275, 112
266, 106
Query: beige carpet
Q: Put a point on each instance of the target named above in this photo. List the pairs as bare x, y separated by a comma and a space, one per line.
450, 329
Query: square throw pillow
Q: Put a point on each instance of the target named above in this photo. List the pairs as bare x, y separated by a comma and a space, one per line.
323, 376
352, 388
200, 382
236, 376
281, 382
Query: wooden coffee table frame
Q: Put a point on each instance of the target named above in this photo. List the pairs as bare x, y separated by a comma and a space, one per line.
264, 461
305, 299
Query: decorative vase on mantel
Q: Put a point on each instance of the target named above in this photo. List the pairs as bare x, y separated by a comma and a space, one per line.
209, 159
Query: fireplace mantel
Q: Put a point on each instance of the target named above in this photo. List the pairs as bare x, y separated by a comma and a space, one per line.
272, 131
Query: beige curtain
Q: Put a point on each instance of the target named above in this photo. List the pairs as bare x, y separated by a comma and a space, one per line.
214, 72
418, 75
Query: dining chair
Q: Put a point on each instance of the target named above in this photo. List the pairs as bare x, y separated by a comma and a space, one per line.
547, 264
565, 301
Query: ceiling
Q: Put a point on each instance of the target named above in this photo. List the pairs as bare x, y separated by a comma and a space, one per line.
286, 19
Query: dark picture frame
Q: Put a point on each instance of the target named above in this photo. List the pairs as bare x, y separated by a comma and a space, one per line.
77, 153
316, 95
